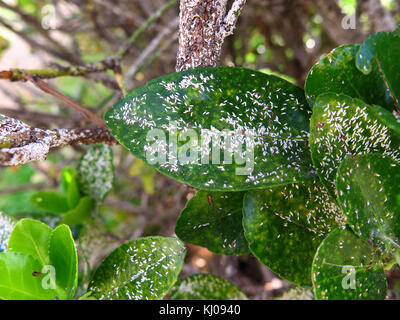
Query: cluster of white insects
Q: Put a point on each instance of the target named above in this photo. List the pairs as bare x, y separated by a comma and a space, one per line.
151, 260
208, 103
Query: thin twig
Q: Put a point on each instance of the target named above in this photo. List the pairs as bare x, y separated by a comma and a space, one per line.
42, 119
44, 86
232, 17
80, 70
128, 45
146, 54
31, 20
35, 44
26, 187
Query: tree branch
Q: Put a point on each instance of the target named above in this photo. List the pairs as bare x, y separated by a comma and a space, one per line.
20, 143
232, 17
203, 28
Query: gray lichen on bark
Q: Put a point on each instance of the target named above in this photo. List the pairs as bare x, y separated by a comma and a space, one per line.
203, 27
20, 143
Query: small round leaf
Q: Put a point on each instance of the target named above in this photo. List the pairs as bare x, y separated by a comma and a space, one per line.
368, 187
342, 126
344, 268
142, 270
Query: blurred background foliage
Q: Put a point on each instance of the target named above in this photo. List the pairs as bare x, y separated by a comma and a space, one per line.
281, 37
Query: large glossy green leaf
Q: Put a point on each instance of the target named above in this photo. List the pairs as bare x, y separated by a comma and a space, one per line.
285, 225
172, 121
341, 125
214, 221
19, 280
381, 51
64, 259
142, 270
54, 254
368, 187
345, 268
206, 287
338, 73
31, 237
96, 172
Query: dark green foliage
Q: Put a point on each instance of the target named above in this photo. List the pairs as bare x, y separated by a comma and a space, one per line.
214, 220
285, 225
206, 287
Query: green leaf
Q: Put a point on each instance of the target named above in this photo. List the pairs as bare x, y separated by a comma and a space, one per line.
31, 237
50, 201
285, 225
96, 172
337, 73
172, 121
381, 51
368, 187
53, 250
80, 214
64, 259
341, 125
18, 280
214, 221
344, 268
142, 270
206, 287
70, 187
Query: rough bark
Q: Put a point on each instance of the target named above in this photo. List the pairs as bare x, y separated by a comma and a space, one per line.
202, 30
20, 143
